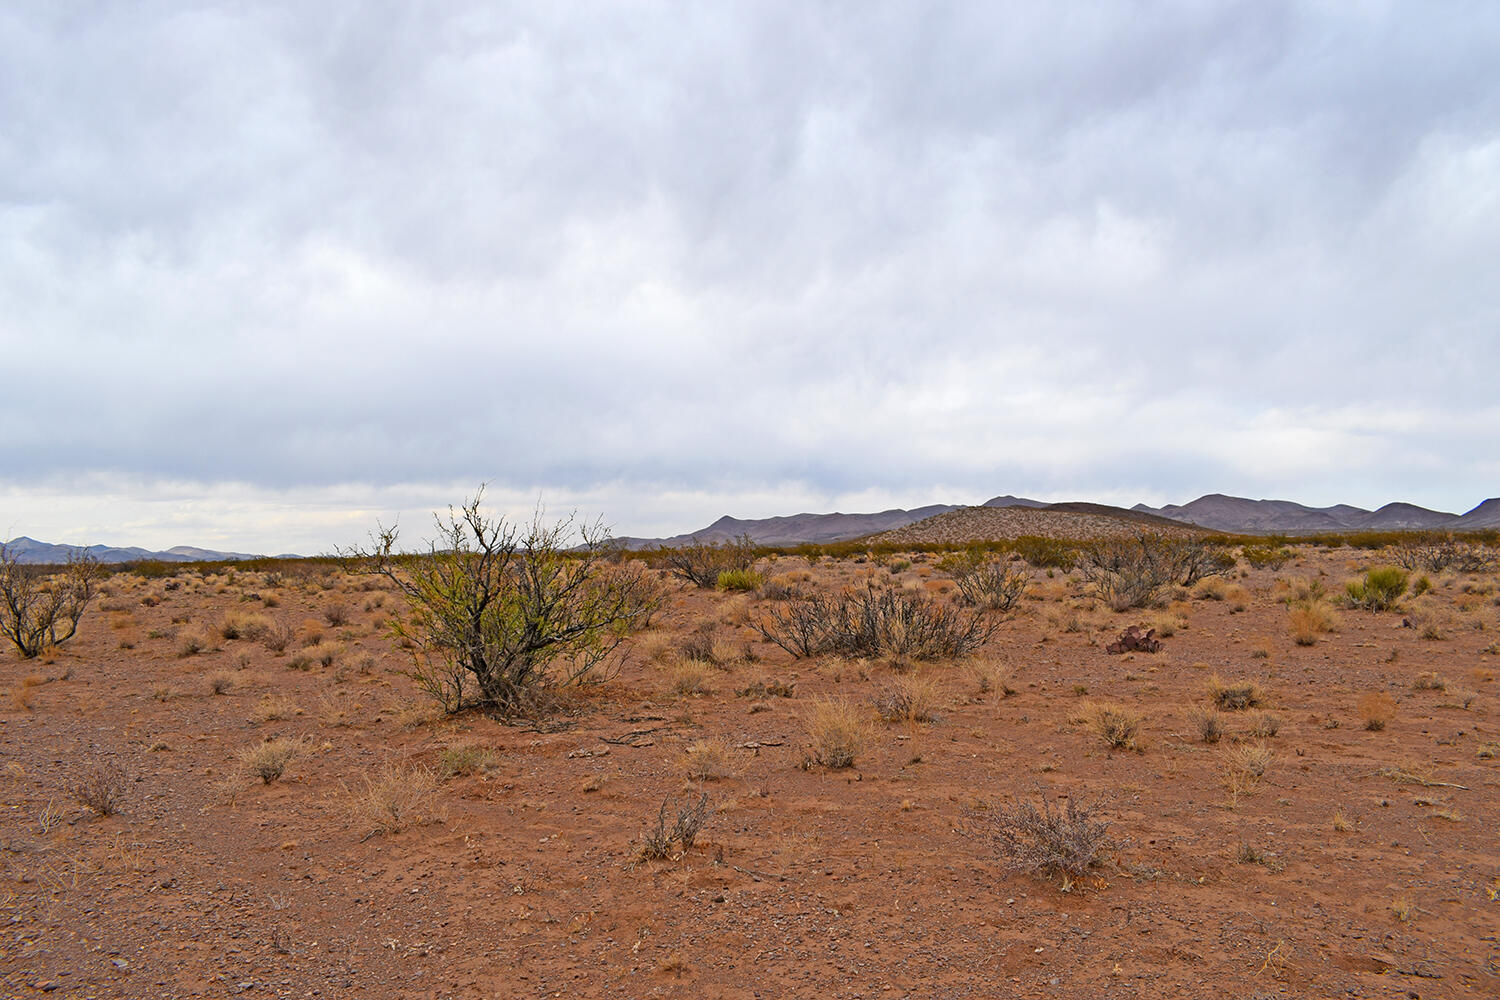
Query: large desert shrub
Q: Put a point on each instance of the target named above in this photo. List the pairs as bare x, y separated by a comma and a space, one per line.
875, 621
986, 580
500, 614
702, 563
1128, 572
1435, 552
41, 606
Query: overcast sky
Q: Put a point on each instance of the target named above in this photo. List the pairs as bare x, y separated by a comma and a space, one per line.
269, 272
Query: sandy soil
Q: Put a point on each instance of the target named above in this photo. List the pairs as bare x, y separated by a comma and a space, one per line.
523, 877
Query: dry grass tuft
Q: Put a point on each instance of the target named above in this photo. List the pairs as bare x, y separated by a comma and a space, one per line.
464, 760
1208, 723
1264, 725
1234, 696
274, 707
1309, 620
988, 676
839, 730
1119, 727
908, 698
268, 761
398, 797
1376, 709
692, 677
1428, 680
192, 641
708, 760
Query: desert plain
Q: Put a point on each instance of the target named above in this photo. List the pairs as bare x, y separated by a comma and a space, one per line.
1335, 835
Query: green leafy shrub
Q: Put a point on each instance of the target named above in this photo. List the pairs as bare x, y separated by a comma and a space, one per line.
1379, 590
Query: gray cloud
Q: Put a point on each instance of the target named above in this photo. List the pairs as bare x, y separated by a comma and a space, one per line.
815, 252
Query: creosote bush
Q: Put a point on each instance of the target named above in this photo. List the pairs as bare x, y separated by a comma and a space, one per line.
1378, 591
1436, 552
500, 615
738, 579
41, 606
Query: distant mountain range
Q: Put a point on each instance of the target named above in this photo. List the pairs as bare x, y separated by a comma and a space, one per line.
29, 550
1215, 511
1236, 514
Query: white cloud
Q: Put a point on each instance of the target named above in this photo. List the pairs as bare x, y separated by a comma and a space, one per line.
740, 256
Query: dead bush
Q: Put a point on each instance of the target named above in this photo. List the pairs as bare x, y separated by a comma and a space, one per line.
1043, 841
676, 822
874, 621
101, 789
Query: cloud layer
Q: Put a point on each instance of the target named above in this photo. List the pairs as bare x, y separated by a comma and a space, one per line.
772, 253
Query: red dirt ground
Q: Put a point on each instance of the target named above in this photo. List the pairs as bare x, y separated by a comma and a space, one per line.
805, 881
